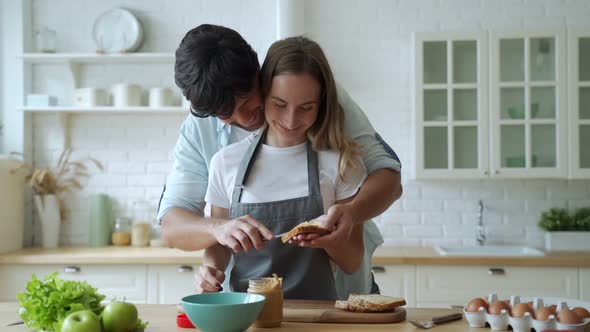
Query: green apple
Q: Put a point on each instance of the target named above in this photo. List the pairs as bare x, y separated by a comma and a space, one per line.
81, 321
119, 317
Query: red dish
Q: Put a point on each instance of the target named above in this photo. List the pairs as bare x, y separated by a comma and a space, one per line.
183, 321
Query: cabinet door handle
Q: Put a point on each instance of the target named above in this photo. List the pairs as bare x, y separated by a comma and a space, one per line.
72, 269
184, 269
378, 269
496, 271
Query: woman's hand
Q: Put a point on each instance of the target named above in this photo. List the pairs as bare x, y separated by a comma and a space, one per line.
344, 244
208, 280
339, 219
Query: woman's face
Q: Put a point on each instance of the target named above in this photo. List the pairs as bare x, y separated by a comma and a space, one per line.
291, 108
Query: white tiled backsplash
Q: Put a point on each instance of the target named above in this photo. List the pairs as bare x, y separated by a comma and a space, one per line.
368, 43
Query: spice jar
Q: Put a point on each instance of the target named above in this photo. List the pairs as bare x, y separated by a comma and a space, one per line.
122, 233
272, 311
141, 229
140, 234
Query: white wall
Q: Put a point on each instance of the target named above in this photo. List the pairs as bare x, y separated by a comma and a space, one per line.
2, 78
369, 45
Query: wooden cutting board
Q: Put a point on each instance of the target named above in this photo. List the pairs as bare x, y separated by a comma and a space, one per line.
305, 311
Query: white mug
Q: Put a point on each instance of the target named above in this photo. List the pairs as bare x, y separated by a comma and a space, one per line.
126, 95
160, 97
90, 97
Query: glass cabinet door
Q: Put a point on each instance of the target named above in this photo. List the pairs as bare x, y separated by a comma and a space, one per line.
451, 124
528, 109
579, 87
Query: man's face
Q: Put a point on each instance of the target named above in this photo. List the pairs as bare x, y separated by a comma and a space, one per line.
249, 112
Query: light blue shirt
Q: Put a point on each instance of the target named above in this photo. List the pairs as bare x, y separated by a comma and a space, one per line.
201, 138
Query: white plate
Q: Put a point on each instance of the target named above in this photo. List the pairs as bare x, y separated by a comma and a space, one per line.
117, 30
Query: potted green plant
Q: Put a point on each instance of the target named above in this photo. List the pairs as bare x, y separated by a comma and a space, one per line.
566, 231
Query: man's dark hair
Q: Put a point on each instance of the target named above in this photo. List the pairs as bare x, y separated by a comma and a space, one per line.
214, 64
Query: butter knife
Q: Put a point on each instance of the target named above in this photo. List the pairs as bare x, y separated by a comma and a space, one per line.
436, 320
19, 322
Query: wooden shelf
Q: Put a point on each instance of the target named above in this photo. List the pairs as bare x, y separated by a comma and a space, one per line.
98, 58
105, 110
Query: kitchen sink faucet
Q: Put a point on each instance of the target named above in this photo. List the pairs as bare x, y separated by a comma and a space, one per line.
480, 235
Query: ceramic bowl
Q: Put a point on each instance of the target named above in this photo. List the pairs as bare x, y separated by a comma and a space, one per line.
222, 312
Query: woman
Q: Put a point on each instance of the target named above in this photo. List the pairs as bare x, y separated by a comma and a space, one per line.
293, 170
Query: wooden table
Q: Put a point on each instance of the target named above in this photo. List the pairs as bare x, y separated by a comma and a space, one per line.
162, 318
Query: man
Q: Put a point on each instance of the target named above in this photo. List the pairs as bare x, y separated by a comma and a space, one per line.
217, 71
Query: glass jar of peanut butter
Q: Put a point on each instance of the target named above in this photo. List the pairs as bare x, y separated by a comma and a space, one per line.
272, 311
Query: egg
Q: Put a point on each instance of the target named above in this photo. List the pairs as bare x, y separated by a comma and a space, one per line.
497, 307
543, 313
582, 312
520, 309
554, 308
475, 304
567, 316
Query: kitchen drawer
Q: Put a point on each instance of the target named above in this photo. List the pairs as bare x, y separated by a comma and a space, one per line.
169, 283
442, 286
397, 280
120, 281
584, 284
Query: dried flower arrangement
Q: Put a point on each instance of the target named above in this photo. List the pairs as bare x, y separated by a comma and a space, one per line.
61, 179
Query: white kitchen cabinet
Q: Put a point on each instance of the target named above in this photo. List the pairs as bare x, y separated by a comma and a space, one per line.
169, 283
579, 103
397, 280
114, 281
444, 286
528, 105
451, 115
521, 129
585, 284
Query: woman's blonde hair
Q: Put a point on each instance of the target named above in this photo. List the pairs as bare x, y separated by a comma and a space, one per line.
297, 55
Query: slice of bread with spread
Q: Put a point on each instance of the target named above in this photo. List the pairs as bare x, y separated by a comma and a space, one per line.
303, 228
370, 303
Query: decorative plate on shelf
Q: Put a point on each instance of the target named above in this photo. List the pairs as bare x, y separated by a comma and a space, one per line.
117, 31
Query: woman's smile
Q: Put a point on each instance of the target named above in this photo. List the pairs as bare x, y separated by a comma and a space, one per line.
287, 130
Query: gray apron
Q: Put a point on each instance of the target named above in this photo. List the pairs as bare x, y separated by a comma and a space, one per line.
306, 272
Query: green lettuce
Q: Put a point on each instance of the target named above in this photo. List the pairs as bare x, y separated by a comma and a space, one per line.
46, 303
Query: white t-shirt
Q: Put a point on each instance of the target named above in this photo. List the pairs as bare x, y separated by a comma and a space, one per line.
279, 174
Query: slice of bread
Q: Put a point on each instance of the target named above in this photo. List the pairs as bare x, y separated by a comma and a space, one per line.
303, 228
371, 303
342, 305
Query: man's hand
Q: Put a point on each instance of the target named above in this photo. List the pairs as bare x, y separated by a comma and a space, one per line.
243, 233
339, 219
208, 280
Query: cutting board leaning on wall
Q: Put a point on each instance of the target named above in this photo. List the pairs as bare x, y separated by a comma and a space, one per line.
11, 205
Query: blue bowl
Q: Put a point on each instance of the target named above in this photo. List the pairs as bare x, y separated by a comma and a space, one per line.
223, 312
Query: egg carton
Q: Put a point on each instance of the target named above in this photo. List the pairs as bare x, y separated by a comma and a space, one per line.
503, 321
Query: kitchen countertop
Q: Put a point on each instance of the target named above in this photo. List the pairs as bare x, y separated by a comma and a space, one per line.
383, 256
161, 318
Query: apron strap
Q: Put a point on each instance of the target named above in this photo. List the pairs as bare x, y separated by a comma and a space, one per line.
313, 176
245, 165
